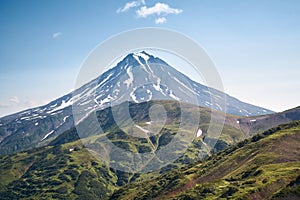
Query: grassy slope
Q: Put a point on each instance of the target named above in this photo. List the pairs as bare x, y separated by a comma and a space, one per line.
60, 172
56, 172
139, 113
266, 166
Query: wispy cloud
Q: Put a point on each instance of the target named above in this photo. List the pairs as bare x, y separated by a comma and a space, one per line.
160, 20
15, 99
57, 35
32, 103
130, 5
16, 104
158, 9
4, 105
11, 102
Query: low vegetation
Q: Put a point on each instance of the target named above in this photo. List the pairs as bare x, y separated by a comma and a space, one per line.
266, 166
263, 167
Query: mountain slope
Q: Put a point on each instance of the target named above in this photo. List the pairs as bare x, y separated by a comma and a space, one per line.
267, 166
256, 124
258, 168
138, 77
146, 135
145, 77
65, 169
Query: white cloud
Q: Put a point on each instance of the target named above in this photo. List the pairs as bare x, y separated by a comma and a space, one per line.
160, 20
57, 35
4, 105
130, 5
15, 99
157, 9
16, 104
12, 102
31, 103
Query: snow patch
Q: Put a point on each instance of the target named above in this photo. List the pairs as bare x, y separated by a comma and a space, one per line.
206, 91
157, 86
26, 118
63, 105
150, 69
85, 116
218, 107
189, 89
199, 133
133, 97
150, 94
47, 134
26, 112
55, 113
173, 96
143, 55
88, 108
53, 105
142, 129
107, 78
31, 117
142, 65
208, 103
108, 99
85, 103
65, 118
129, 81
36, 124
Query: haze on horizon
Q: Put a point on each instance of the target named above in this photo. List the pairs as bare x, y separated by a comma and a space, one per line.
254, 44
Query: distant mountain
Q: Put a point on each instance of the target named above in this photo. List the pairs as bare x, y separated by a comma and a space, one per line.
139, 77
256, 124
31, 128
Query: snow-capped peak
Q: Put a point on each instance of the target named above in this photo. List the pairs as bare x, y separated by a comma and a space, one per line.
143, 54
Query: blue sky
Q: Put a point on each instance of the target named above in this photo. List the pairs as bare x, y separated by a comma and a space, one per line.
254, 44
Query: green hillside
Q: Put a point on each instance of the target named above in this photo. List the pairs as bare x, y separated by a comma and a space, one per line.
158, 135
263, 167
65, 169
59, 172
